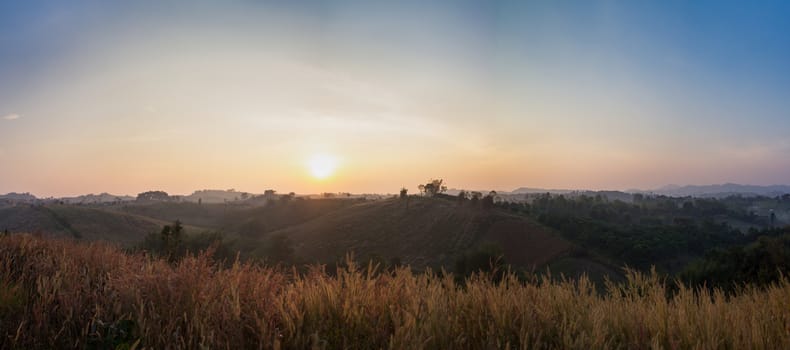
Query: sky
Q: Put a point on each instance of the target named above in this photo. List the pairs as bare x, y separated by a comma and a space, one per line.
129, 96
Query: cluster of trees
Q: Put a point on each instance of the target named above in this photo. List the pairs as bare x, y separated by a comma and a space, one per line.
436, 188
639, 234
172, 243
167, 243
476, 198
432, 188
668, 232
153, 196
764, 260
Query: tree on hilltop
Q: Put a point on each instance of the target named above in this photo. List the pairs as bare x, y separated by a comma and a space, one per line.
475, 197
432, 188
487, 202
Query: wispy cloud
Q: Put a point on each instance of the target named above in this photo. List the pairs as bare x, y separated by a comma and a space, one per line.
12, 116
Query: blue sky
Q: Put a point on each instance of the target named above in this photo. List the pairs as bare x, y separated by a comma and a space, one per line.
129, 96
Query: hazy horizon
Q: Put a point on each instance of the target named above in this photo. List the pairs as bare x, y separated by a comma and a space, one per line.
358, 97
412, 190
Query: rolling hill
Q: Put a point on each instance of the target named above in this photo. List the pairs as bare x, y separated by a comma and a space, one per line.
80, 222
426, 232
421, 232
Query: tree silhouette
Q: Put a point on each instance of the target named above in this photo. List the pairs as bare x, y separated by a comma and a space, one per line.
475, 197
488, 201
462, 196
432, 188
172, 237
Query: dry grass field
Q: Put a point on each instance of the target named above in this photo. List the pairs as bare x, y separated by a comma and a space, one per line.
62, 294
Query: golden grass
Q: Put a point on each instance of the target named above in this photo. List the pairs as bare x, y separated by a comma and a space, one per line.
61, 294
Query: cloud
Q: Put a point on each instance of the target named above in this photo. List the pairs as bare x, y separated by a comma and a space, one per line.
12, 116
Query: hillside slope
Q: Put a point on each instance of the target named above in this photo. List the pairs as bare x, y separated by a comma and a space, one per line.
427, 232
80, 222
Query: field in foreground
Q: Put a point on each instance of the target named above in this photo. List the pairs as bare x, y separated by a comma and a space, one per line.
61, 294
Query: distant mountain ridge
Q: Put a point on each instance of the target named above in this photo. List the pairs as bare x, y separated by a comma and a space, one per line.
103, 197
717, 190
18, 197
532, 190
721, 190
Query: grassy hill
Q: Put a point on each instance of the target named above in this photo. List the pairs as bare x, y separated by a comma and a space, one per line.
80, 222
200, 215
421, 232
252, 219
256, 222
424, 232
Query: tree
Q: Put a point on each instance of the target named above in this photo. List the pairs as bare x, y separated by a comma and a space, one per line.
432, 188
172, 237
488, 200
475, 197
404, 193
286, 197
462, 196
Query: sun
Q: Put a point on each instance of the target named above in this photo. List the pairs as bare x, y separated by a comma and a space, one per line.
322, 166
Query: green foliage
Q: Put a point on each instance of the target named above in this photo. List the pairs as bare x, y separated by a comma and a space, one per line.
762, 262
171, 240
173, 244
654, 232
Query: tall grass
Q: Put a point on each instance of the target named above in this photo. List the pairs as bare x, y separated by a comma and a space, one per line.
60, 294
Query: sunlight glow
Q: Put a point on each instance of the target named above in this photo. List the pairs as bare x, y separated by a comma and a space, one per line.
322, 166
